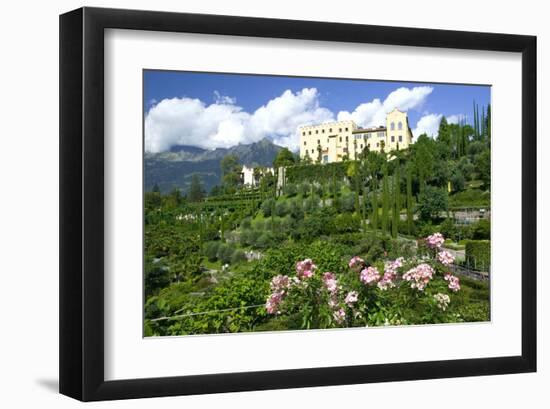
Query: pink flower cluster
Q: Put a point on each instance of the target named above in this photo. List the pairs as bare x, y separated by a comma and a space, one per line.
370, 275
330, 282
280, 283
454, 282
356, 262
279, 286
390, 274
436, 240
273, 302
420, 276
339, 315
446, 258
351, 298
305, 268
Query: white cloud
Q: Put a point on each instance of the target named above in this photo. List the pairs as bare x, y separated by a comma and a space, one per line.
224, 99
455, 119
429, 124
373, 113
187, 121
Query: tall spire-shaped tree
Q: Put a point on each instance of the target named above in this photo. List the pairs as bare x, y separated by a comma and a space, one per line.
385, 199
396, 201
374, 217
475, 121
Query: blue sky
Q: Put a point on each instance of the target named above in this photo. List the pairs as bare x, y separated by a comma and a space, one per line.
218, 110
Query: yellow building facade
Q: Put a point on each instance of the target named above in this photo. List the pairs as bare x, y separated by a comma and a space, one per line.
335, 141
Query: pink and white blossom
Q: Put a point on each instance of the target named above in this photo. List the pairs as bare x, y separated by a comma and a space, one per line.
339, 315
454, 282
333, 302
419, 276
436, 240
446, 258
351, 298
390, 273
305, 268
356, 262
370, 275
330, 282
280, 283
387, 281
273, 302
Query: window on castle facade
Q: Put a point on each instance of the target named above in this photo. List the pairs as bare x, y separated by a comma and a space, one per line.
392, 126
400, 125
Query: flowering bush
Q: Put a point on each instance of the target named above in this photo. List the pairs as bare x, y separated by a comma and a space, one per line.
409, 291
435, 240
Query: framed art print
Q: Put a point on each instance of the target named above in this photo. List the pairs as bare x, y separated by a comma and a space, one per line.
254, 204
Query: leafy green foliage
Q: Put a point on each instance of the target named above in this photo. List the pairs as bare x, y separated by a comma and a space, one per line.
478, 254
431, 202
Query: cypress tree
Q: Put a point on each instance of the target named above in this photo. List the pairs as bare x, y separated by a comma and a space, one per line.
385, 200
374, 217
357, 187
409, 201
396, 202
475, 121
364, 208
483, 122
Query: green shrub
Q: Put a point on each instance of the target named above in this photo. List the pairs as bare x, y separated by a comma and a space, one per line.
290, 190
225, 252
238, 256
281, 208
246, 223
267, 207
157, 276
347, 223
211, 250
478, 254
470, 197
347, 203
311, 204
482, 230
304, 189
265, 240
295, 209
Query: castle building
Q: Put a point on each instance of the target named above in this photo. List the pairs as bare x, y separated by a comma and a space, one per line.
336, 141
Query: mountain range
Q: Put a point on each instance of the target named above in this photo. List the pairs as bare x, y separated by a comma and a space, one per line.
174, 168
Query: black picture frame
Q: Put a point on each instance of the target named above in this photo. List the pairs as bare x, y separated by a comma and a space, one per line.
82, 198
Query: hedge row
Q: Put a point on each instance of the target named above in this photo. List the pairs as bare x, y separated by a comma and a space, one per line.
316, 172
478, 254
